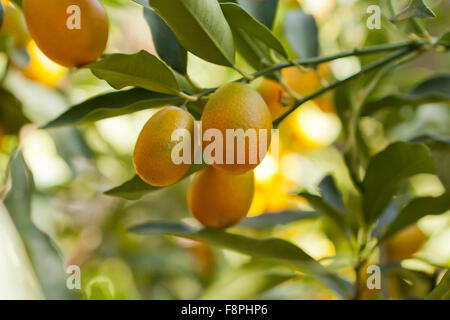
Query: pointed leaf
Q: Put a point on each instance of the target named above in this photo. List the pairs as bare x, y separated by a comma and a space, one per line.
321, 206
302, 33
271, 220
388, 169
442, 291
166, 44
113, 104
417, 209
136, 188
330, 193
141, 69
200, 26
445, 39
12, 117
440, 149
277, 250
239, 19
435, 89
415, 9
43, 253
264, 10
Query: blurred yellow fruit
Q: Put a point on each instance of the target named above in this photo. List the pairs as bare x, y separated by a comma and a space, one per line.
153, 152
42, 69
311, 127
305, 82
237, 106
220, 200
204, 256
14, 25
70, 32
405, 243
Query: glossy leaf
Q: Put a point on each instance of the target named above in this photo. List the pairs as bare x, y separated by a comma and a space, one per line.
271, 220
415, 9
264, 10
239, 19
252, 50
141, 69
417, 209
136, 188
435, 89
388, 169
440, 149
43, 253
113, 104
166, 44
320, 205
302, 33
273, 249
330, 193
200, 26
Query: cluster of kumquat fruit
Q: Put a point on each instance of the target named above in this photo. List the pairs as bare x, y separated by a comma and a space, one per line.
221, 195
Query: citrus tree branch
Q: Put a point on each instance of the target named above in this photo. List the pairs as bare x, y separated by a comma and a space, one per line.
372, 66
355, 52
318, 60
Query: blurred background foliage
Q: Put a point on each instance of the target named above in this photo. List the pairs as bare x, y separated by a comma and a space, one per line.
72, 167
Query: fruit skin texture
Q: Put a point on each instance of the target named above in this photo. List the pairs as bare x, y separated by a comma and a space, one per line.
237, 106
220, 200
47, 23
153, 151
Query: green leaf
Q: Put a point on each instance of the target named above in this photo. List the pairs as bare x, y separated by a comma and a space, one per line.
302, 33
113, 104
330, 193
388, 169
273, 249
442, 291
444, 39
141, 69
435, 89
264, 11
417, 209
200, 26
415, 9
43, 253
271, 220
166, 44
252, 50
239, 19
320, 205
440, 149
136, 188
12, 117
